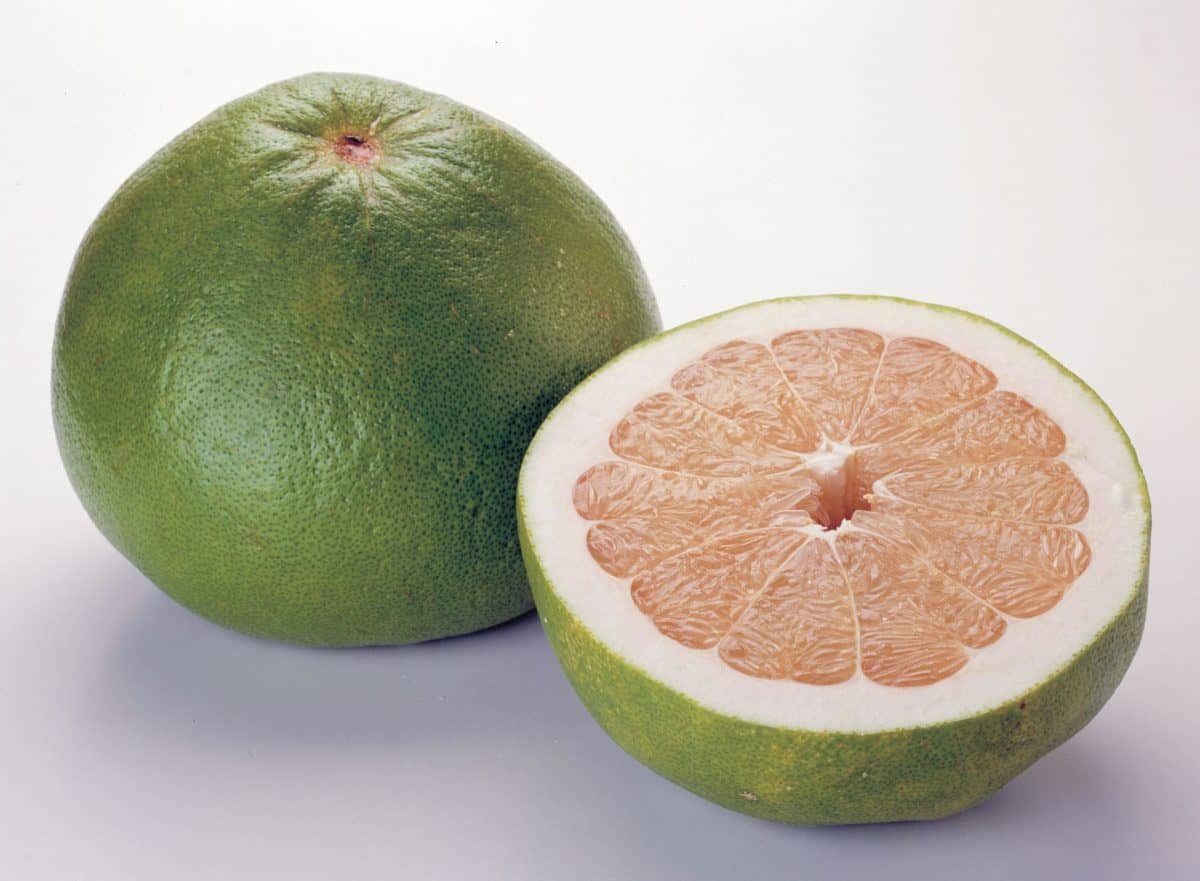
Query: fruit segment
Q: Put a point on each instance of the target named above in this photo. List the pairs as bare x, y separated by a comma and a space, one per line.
697, 597
647, 515
669, 431
1000, 425
830, 371
742, 382
916, 380
1037, 490
915, 624
1020, 569
837, 504
801, 626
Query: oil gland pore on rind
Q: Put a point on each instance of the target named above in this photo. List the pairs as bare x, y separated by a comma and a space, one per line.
834, 503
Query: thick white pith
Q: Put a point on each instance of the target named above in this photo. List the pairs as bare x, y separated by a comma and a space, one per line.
576, 437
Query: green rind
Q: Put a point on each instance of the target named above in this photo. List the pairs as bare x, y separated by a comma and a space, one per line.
296, 393
814, 777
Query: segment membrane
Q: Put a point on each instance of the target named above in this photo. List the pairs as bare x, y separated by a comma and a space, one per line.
915, 624
917, 380
1020, 569
669, 431
714, 514
742, 382
697, 596
1037, 490
831, 373
1000, 425
801, 626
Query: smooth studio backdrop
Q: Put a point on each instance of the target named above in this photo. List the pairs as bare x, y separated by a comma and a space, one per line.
1036, 162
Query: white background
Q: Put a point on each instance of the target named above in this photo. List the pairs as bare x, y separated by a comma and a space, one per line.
1038, 163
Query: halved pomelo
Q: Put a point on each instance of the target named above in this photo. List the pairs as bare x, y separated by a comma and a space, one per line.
838, 559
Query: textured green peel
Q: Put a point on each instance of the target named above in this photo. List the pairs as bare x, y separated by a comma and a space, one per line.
302, 350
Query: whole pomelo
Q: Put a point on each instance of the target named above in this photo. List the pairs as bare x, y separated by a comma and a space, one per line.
302, 350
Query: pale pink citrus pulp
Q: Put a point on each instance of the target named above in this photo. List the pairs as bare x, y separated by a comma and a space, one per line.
724, 513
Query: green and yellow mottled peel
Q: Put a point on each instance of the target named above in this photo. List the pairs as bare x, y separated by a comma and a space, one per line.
830, 777
302, 350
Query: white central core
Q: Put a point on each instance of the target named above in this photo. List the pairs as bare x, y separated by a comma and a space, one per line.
832, 467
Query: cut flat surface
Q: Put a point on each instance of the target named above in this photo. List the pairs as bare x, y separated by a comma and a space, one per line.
844, 513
